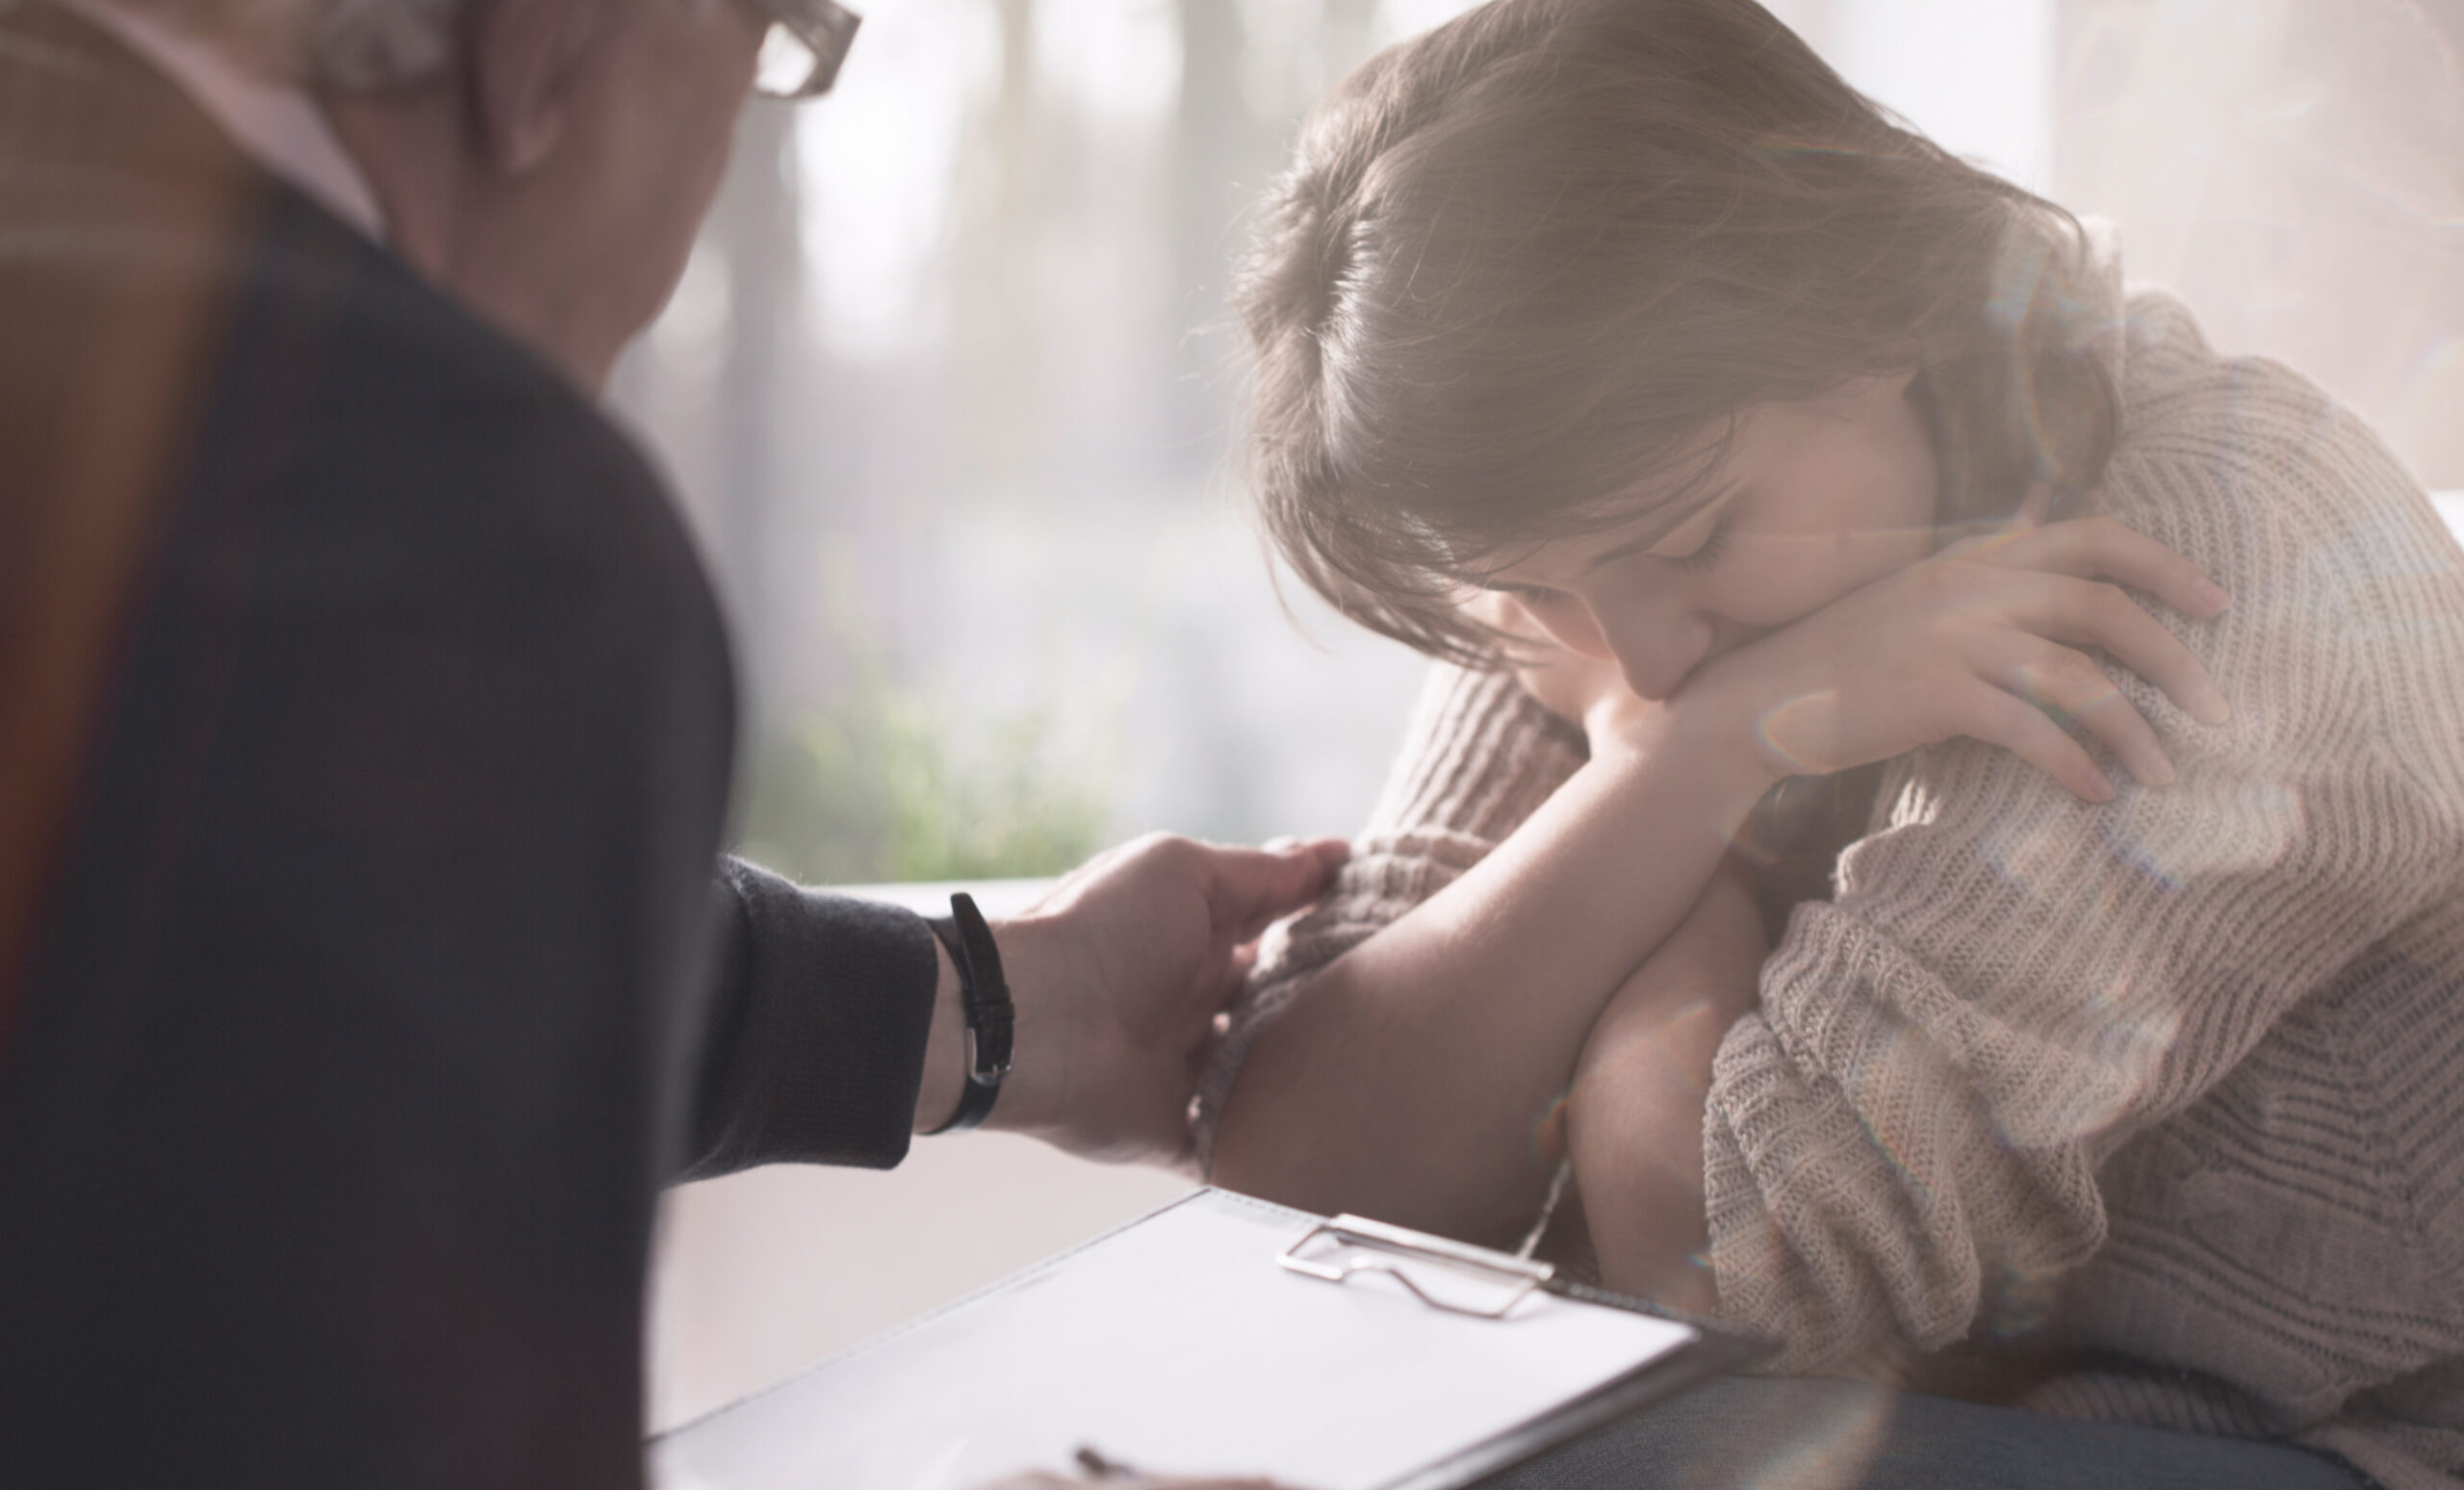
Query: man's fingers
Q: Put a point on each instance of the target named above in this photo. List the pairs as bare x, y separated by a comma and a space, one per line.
1223, 980
1254, 888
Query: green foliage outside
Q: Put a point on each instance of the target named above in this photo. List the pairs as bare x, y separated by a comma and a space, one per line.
883, 788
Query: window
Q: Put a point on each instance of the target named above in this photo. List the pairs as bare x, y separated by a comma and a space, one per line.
948, 392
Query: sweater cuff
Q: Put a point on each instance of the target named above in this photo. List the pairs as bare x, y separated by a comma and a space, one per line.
822, 1056
1855, 1183
1783, 1166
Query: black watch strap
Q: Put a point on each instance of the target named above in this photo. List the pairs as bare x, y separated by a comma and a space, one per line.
983, 995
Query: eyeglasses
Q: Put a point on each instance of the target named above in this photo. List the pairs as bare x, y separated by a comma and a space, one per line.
802, 51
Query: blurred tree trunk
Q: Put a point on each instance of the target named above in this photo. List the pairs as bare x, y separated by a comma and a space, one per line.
998, 263
755, 225
2295, 169
1213, 151
1346, 33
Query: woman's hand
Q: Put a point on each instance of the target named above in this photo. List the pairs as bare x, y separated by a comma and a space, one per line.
1986, 639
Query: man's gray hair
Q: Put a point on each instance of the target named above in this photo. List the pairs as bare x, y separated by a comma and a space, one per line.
343, 43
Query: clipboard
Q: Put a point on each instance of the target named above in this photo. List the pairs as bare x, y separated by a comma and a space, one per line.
1218, 1336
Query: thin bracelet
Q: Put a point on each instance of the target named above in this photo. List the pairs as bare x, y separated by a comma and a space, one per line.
991, 1017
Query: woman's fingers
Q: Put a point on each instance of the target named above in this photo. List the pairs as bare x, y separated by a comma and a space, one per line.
2088, 613
2005, 719
2084, 564
2099, 547
2068, 686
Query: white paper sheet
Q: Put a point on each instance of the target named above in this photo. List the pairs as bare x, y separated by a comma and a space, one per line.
1175, 1345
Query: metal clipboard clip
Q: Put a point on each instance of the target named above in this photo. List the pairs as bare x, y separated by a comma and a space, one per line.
1522, 1276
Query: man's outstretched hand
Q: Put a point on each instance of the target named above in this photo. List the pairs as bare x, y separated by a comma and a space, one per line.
1118, 976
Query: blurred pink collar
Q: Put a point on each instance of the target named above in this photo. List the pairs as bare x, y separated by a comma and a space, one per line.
278, 125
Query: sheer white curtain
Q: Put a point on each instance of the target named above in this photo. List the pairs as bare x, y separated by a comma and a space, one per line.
2295, 169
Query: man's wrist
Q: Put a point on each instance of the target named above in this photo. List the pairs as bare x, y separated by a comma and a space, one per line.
1027, 948
944, 1049
1026, 952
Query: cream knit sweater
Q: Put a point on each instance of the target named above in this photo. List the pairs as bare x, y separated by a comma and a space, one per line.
2175, 1084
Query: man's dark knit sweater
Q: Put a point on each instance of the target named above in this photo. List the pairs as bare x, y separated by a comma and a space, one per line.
365, 731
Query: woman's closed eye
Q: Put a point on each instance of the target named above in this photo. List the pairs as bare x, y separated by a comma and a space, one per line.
1706, 553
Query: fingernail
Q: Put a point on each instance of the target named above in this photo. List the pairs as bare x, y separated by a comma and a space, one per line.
2213, 596
1283, 844
2102, 786
2211, 708
2160, 773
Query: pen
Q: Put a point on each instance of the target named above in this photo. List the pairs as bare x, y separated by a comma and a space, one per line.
1097, 1467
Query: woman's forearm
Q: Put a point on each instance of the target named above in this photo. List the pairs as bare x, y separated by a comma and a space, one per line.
1634, 1114
1407, 1079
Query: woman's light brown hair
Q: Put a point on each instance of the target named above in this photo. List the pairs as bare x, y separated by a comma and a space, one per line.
1549, 249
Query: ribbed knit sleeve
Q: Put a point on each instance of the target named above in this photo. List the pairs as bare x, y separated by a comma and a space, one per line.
817, 1050
1478, 757
1905, 1141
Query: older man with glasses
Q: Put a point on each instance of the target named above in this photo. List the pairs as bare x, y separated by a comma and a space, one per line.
366, 723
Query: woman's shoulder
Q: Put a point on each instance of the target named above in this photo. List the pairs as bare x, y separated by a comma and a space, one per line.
2251, 427
2253, 469
2181, 397
2347, 589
